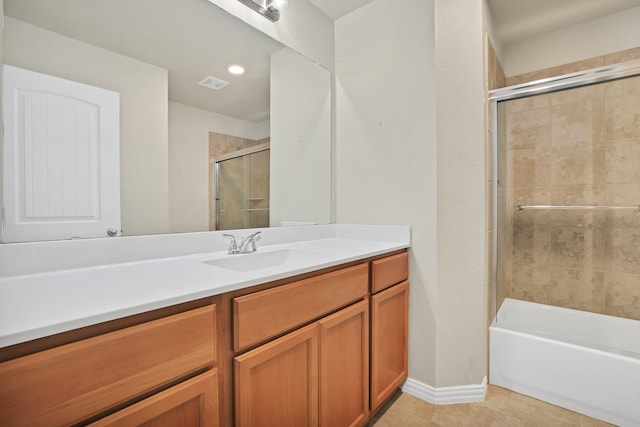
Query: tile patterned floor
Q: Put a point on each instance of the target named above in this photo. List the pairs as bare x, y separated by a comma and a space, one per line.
501, 408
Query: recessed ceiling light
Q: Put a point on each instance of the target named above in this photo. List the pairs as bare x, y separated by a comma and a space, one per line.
236, 69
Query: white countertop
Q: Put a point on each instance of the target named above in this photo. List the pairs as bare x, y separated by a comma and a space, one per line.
49, 302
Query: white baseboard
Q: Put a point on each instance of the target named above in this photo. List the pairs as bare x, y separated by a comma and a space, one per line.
446, 395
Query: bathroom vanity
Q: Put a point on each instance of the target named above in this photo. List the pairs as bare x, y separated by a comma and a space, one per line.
312, 332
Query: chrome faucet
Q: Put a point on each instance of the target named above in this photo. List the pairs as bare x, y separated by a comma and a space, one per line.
245, 243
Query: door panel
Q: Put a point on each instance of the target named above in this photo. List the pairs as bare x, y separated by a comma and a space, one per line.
389, 340
344, 367
61, 158
277, 383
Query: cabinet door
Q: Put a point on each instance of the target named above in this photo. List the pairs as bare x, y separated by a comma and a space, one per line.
193, 403
344, 367
277, 384
389, 319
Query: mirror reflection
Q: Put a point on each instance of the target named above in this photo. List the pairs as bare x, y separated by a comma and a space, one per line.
166, 61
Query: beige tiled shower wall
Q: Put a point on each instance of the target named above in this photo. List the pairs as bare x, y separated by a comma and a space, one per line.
575, 147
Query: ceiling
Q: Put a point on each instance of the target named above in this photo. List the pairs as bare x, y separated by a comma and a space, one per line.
192, 39
516, 19
334, 9
519, 19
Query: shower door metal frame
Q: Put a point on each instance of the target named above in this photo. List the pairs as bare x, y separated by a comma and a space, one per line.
539, 87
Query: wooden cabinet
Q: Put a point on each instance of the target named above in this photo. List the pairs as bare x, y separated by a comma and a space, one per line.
324, 349
344, 367
339, 368
317, 375
389, 339
389, 271
262, 315
276, 384
192, 403
75, 382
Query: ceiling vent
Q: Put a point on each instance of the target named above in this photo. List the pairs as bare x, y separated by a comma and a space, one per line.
213, 83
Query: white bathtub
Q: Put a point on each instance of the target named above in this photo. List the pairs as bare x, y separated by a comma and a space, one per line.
586, 362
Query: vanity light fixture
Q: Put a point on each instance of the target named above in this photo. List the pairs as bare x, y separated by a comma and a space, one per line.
270, 9
236, 69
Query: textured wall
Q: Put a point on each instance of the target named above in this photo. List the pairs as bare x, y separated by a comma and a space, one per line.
461, 341
386, 145
405, 156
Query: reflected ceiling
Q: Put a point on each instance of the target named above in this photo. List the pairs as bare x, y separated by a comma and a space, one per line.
335, 9
192, 39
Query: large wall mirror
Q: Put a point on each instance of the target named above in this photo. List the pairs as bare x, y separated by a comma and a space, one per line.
174, 131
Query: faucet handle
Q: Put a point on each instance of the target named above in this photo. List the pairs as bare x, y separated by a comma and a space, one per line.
256, 238
233, 244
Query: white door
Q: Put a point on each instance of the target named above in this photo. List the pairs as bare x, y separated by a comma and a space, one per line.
61, 163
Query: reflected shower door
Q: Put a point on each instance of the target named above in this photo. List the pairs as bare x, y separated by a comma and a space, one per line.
242, 192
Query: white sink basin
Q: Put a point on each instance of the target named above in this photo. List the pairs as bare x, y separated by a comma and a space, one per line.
260, 260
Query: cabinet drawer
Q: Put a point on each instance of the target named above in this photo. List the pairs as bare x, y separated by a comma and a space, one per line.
388, 271
190, 403
263, 315
68, 384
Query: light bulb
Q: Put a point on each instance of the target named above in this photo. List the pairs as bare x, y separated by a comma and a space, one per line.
279, 4
236, 69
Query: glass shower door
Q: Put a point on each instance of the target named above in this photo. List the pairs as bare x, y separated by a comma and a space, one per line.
568, 194
242, 191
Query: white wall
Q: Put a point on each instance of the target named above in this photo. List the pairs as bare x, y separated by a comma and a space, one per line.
410, 150
490, 28
302, 27
461, 344
189, 161
386, 144
300, 185
143, 113
596, 37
